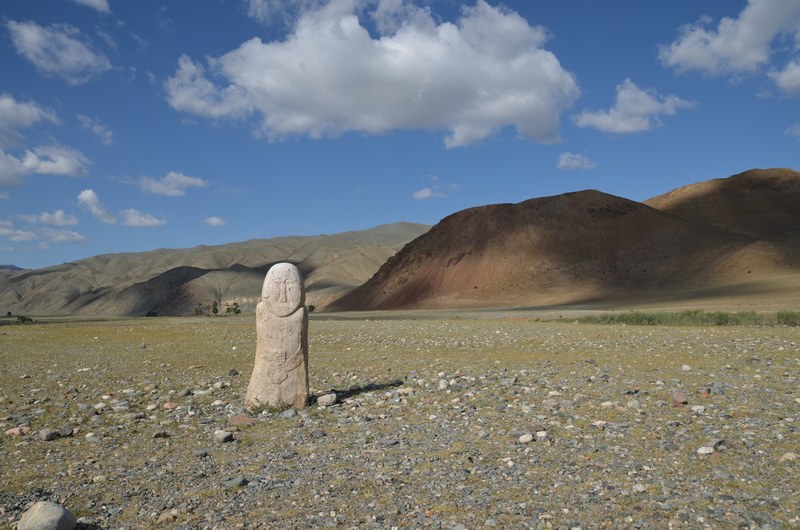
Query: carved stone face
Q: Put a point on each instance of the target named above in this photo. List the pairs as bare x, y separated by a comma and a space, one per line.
283, 289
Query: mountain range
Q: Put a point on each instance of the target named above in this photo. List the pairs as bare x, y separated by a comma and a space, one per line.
189, 281
734, 239
725, 238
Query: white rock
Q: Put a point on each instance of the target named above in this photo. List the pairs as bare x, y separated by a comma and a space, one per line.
526, 438
223, 436
705, 450
327, 400
47, 516
686, 368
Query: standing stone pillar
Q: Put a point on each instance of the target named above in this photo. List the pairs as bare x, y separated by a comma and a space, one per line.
280, 374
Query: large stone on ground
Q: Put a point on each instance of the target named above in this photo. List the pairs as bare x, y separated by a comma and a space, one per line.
45, 515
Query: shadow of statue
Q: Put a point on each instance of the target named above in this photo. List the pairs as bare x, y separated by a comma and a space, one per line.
356, 390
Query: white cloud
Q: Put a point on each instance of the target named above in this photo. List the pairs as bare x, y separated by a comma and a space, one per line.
568, 160
487, 71
45, 160
19, 115
286, 11
737, 46
4, 195
788, 79
98, 5
634, 110
133, 217
57, 218
13, 234
173, 184
437, 191
99, 128
793, 131
62, 236
215, 221
58, 50
91, 201
55, 160
424, 193
45, 235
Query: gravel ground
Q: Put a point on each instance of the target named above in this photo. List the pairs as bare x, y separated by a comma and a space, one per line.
506, 423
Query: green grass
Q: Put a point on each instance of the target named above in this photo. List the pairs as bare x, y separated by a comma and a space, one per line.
696, 317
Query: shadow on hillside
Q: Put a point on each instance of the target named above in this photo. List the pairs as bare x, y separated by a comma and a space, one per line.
356, 390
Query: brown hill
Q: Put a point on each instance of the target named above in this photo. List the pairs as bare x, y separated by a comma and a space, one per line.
762, 203
177, 282
570, 248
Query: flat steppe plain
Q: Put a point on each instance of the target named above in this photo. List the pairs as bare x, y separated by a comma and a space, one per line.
448, 421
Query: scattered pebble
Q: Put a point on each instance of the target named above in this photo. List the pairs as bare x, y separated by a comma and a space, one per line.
327, 400
223, 436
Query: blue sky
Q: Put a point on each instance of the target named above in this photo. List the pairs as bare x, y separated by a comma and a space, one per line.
130, 126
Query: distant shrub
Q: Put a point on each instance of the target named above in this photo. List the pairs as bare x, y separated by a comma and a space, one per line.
24, 320
788, 318
696, 317
152, 314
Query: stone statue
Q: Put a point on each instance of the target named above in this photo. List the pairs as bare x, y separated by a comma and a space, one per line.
280, 374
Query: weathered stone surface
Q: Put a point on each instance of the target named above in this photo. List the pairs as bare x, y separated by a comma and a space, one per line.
47, 516
48, 435
327, 400
223, 436
280, 373
240, 420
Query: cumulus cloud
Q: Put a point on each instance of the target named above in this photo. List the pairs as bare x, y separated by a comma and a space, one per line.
100, 129
788, 79
62, 236
793, 131
16, 115
57, 218
486, 71
45, 160
568, 160
133, 217
271, 11
436, 191
98, 5
634, 110
55, 160
173, 184
424, 193
58, 50
736, 46
89, 200
215, 221
44, 235
17, 235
